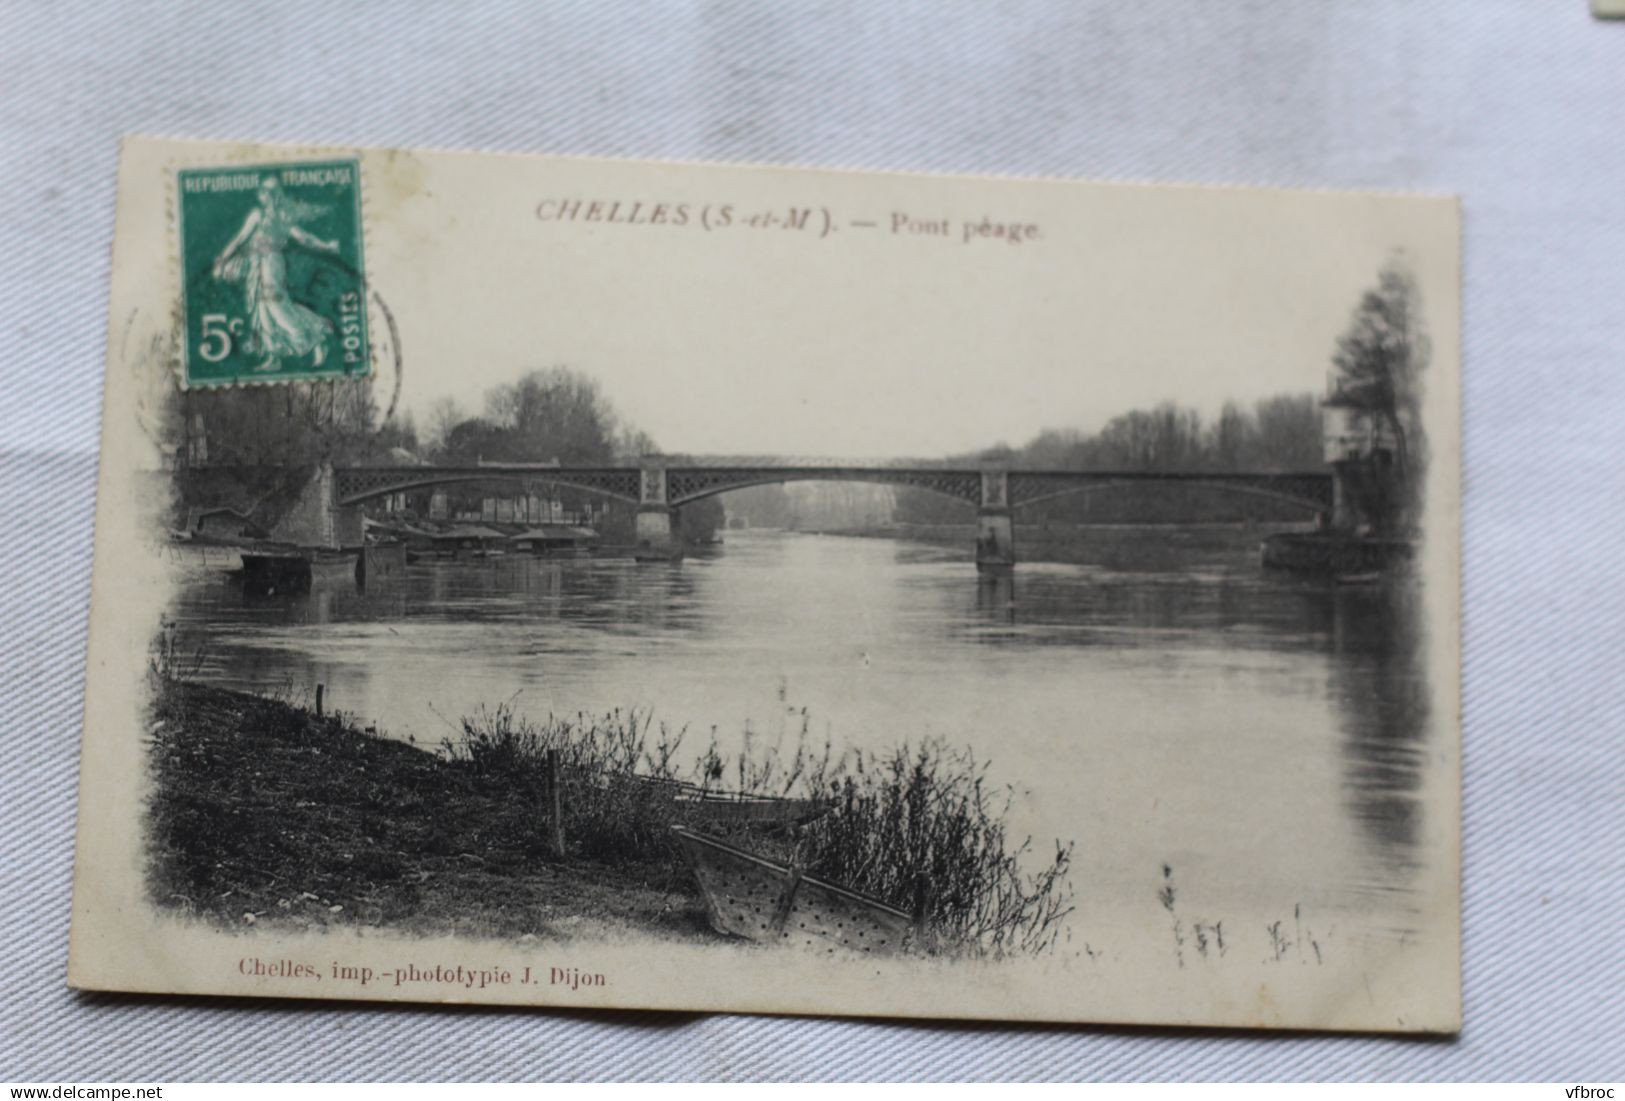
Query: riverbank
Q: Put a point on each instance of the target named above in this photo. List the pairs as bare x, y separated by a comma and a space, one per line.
265, 813
1337, 554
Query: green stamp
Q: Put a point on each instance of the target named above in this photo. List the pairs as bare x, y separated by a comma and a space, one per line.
272, 280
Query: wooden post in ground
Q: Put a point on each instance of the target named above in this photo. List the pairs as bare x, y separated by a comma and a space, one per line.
318, 701
922, 913
555, 804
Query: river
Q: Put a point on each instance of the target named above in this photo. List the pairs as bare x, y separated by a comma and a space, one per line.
1183, 717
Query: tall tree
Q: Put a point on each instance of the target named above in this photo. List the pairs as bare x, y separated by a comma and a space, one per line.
631, 444
478, 440
1287, 434
1379, 360
1232, 432
289, 425
444, 415
558, 413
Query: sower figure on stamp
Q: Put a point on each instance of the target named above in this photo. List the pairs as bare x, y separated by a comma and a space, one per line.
279, 326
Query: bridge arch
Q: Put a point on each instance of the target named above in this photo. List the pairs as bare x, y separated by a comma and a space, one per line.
687, 486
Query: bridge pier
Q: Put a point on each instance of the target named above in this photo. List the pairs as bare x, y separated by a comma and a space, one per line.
658, 541
316, 520
349, 526
1346, 512
995, 542
995, 529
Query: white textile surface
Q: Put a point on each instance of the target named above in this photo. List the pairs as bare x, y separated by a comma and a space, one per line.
1519, 105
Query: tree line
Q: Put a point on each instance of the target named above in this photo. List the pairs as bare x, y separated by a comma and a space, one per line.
559, 414
1279, 434
555, 415
1376, 370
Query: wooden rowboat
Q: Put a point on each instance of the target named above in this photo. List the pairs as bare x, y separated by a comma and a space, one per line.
749, 896
736, 808
723, 807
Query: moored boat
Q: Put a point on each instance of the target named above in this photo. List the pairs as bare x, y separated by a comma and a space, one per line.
694, 802
762, 900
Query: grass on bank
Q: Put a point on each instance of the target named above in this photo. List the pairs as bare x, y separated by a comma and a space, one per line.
917, 826
263, 811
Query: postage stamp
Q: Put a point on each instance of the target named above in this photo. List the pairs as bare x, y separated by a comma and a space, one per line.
273, 288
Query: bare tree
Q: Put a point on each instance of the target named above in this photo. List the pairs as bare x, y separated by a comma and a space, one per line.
632, 443
1231, 434
1286, 434
444, 415
1379, 361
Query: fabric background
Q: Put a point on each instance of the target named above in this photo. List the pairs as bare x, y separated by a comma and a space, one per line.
1519, 105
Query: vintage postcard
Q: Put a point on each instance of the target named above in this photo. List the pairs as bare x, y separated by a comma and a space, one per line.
568, 582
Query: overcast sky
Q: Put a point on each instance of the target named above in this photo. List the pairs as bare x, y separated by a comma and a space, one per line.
868, 342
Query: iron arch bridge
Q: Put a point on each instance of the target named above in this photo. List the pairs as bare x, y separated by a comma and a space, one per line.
659, 487
674, 486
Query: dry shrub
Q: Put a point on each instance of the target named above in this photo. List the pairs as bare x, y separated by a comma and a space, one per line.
920, 829
917, 827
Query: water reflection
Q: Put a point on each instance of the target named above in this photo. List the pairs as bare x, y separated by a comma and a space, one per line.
608, 594
1370, 634
1172, 703
1382, 691
1088, 605
996, 599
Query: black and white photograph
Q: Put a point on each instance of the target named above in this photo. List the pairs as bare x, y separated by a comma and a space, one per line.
589, 583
